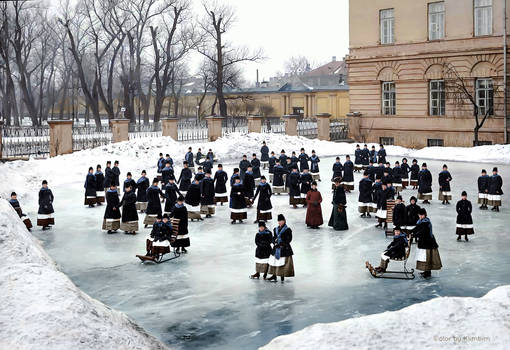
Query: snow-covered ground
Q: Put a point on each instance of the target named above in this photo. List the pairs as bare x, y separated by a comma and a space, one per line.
42, 309
441, 323
205, 300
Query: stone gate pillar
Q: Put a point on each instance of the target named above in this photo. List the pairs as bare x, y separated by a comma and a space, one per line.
120, 129
61, 137
291, 124
169, 127
214, 127
323, 126
255, 123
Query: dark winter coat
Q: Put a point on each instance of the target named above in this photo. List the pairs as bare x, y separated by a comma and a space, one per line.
339, 196
338, 169
45, 201
283, 160
365, 156
207, 165
255, 164
189, 158
279, 171
314, 164
90, 185
129, 182
424, 181
171, 192
153, 203
284, 243
272, 163
199, 176
397, 175
112, 210
220, 181
348, 171
405, 169
464, 210
365, 191
264, 193
141, 189
15, 204
415, 171
243, 167
264, 153
249, 184
357, 156
399, 215
198, 158
294, 161
99, 181
263, 241
379, 171
156, 232
412, 214
166, 174
397, 248
185, 179
128, 205
193, 196
495, 185
180, 212
483, 184
373, 156
294, 189
387, 179
381, 155
382, 197
237, 200
161, 164
116, 174
303, 161
424, 235
444, 181
313, 208
306, 182
375, 191
371, 172
207, 191
108, 177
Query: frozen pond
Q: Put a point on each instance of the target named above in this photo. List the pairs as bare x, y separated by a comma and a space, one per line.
206, 300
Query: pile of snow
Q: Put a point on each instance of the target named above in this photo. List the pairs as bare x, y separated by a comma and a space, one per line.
42, 309
447, 322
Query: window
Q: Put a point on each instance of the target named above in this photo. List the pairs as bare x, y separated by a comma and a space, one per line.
386, 141
387, 20
388, 98
437, 97
435, 143
484, 96
483, 17
436, 20
482, 143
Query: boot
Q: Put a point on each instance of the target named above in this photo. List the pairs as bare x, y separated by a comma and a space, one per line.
444, 202
282, 278
378, 225
493, 209
183, 250
497, 209
178, 250
99, 204
385, 225
459, 238
368, 215
265, 276
426, 274
465, 237
294, 206
233, 222
208, 216
272, 278
256, 275
91, 205
363, 215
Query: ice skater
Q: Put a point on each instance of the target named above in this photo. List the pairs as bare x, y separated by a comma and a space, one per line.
220, 185
263, 241
237, 202
129, 222
280, 262
313, 208
464, 219
427, 256
99, 185
348, 178
112, 214
154, 194
142, 184
365, 196
45, 217
90, 188
264, 205
495, 191
338, 218
314, 166
185, 177
180, 212
264, 155
445, 194
207, 204
415, 172
483, 190
425, 184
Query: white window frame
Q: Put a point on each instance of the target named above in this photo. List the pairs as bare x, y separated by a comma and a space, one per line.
388, 98
483, 17
484, 88
436, 20
387, 26
437, 104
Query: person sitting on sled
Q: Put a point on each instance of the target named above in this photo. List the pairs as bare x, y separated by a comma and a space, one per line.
15, 204
395, 250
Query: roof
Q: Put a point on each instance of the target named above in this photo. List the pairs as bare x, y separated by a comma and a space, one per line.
333, 67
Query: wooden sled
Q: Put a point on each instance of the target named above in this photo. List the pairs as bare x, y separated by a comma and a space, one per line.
405, 274
157, 253
390, 204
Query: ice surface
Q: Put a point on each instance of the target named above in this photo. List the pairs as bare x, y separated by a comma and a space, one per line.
204, 300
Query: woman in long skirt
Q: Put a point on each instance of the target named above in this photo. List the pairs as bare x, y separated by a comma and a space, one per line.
99, 185
153, 203
141, 192
314, 166
445, 194
192, 200
264, 206
278, 179
495, 191
129, 222
483, 190
220, 187
313, 205
425, 184
427, 256
90, 188
338, 219
45, 213
238, 210
464, 219
263, 241
112, 215
415, 171
280, 262
180, 212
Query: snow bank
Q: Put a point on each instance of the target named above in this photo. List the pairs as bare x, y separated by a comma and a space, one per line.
42, 309
448, 322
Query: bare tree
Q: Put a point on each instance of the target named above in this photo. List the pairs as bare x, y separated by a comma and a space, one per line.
297, 65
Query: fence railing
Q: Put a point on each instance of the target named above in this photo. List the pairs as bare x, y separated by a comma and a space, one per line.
338, 130
24, 146
307, 128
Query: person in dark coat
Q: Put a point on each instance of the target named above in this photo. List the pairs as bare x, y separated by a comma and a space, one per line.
264, 205
338, 219
116, 175
185, 178
99, 185
182, 240
283, 159
303, 160
399, 218
192, 199
207, 204
371, 171
17, 207
415, 171
129, 182
405, 169
483, 190
338, 169
263, 241
171, 194
495, 190
348, 178
129, 222
306, 182
243, 166
396, 177
294, 160
314, 166
365, 157
248, 185
272, 163
357, 159
210, 156
382, 205
220, 186
395, 250
207, 165
425, 184
108, 176
313, 208
161, 163
90, 188
412, 210
278, 180
255, 167
379, 170
199, 156
142, 184
427, 256
373, 155
264, 155
188, 159
381, 154
365, 196
294, 188
237, 202
445, 194
153, 203
464, 219
233, 177
280, 262
377, 185
45, 213
112, 214
199, 174
167, 173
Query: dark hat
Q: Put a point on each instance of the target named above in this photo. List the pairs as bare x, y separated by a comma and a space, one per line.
220, 165
128, 174
365, 173
484, 171
159, 216
13, 194
404, 159
413, 198
180, 199
464, 193
397, 228
348, 156
161, 154
314, 183
200, 168
424, 165
281, 217
116, 162
263, 142
108, 162
399, 197
262, 224
337, 158
244, 155
378, 177
415, 161
282, 151
155, 180
422, 211
91, 168
44, 182
357, 145
167, 155
236, 170
144, 172
262, 177
98, 166
208, 172
165, 216
185, 162
254, 154
313, 151
495, 169
445, 166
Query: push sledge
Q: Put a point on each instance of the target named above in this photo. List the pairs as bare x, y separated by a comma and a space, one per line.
390, 204
405, 274
156, 251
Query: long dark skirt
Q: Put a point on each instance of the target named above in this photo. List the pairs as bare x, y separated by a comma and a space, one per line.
338, 219
283, 267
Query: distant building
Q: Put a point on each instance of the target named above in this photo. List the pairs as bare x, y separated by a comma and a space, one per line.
397, 51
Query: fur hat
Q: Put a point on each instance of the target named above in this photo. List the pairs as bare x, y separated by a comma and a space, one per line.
45, 182
180, 199
165, 216
495, 169
413, 198
422, 211
262, 224
424, 165
464, 193
262, 177
159, 216
399, 197
314, 183
155, 180
281, 217
13, 194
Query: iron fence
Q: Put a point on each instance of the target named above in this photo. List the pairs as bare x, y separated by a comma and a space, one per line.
85, 138
23, 146
307, 128
338, 130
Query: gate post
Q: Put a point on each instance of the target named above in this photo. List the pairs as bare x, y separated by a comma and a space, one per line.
120, 130
291, 124
61, 137
169, 127
214, 127
254, 123
323, 126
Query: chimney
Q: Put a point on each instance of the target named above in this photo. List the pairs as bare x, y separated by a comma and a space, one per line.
334, 58
257, 84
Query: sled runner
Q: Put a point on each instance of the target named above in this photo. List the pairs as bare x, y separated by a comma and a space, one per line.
390, 204
157, 250
405, 274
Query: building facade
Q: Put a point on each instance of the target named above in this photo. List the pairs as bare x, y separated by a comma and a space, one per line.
400, 54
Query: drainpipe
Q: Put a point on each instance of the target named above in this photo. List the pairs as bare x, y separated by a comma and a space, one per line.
505, 73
